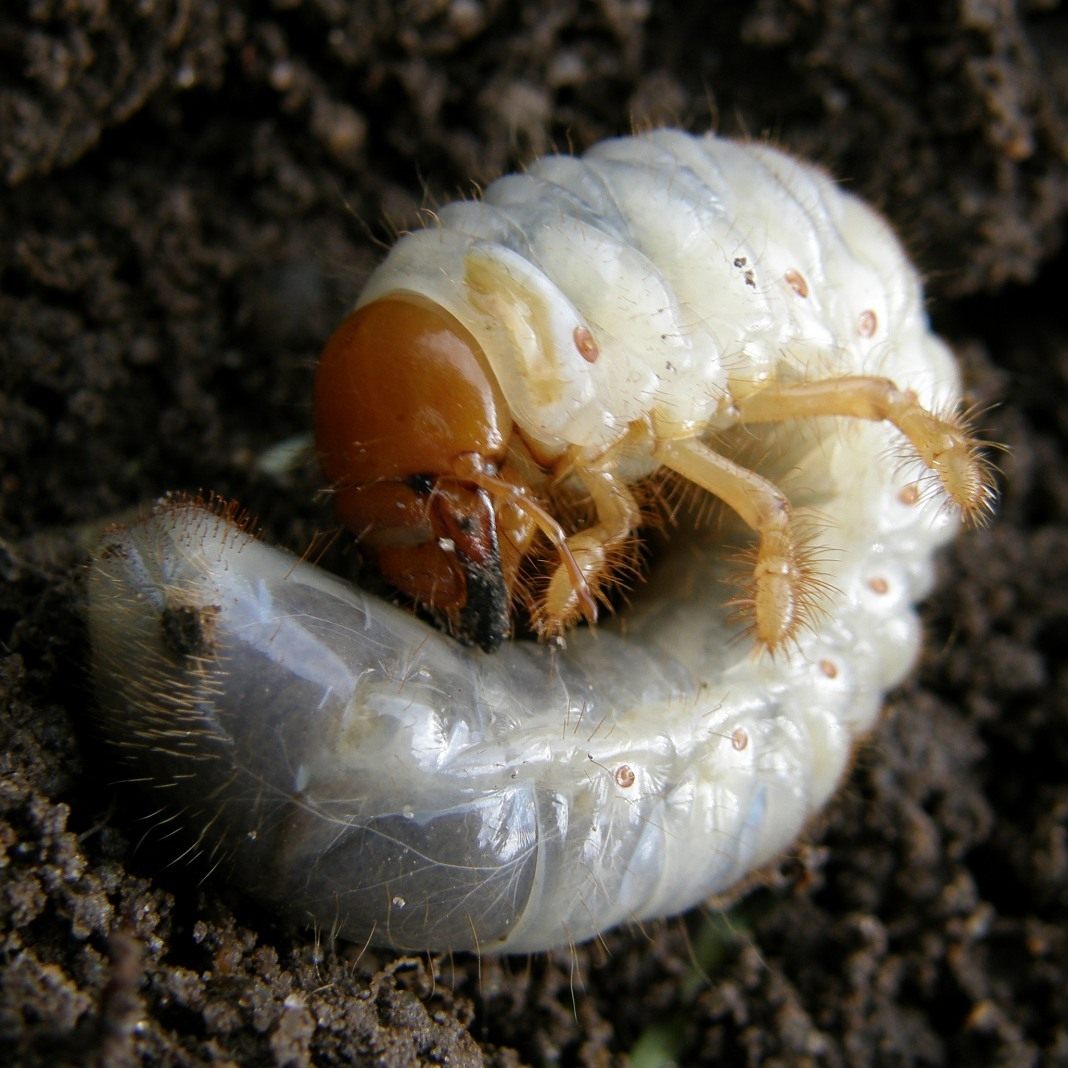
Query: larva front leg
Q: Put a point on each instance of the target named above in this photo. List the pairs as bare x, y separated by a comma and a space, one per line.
596, 549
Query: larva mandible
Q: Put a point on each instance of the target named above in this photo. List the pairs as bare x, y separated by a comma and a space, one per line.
362, 770
594, 323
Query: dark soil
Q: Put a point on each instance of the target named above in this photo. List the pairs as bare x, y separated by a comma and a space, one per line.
194, 192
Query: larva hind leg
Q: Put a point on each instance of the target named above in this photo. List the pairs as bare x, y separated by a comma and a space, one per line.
595, 548
782, 581
944, 443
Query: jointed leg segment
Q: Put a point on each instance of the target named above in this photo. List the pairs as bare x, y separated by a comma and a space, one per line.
943, 444
618, 516
780, 573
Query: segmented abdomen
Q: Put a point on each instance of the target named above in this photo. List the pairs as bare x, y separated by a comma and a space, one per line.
700, 265
361, 770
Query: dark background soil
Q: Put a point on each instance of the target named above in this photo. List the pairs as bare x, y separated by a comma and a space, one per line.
193, 194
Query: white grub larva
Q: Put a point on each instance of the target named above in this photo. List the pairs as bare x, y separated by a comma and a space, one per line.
528, 370
361, 770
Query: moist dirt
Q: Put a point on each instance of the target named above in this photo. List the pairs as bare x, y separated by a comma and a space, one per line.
192, 195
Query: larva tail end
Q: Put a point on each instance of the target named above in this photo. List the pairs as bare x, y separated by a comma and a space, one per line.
219, 507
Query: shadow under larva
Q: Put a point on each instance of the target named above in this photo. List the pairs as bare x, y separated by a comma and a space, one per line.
622, 314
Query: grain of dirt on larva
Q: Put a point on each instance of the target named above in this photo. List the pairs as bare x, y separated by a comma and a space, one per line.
194, 194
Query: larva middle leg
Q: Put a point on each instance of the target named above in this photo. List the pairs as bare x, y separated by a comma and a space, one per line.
780, 573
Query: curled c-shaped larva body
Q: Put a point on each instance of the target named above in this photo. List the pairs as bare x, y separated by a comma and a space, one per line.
528, 370
665, 303
358, 769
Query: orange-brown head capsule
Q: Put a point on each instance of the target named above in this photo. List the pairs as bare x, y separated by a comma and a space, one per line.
411, 429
